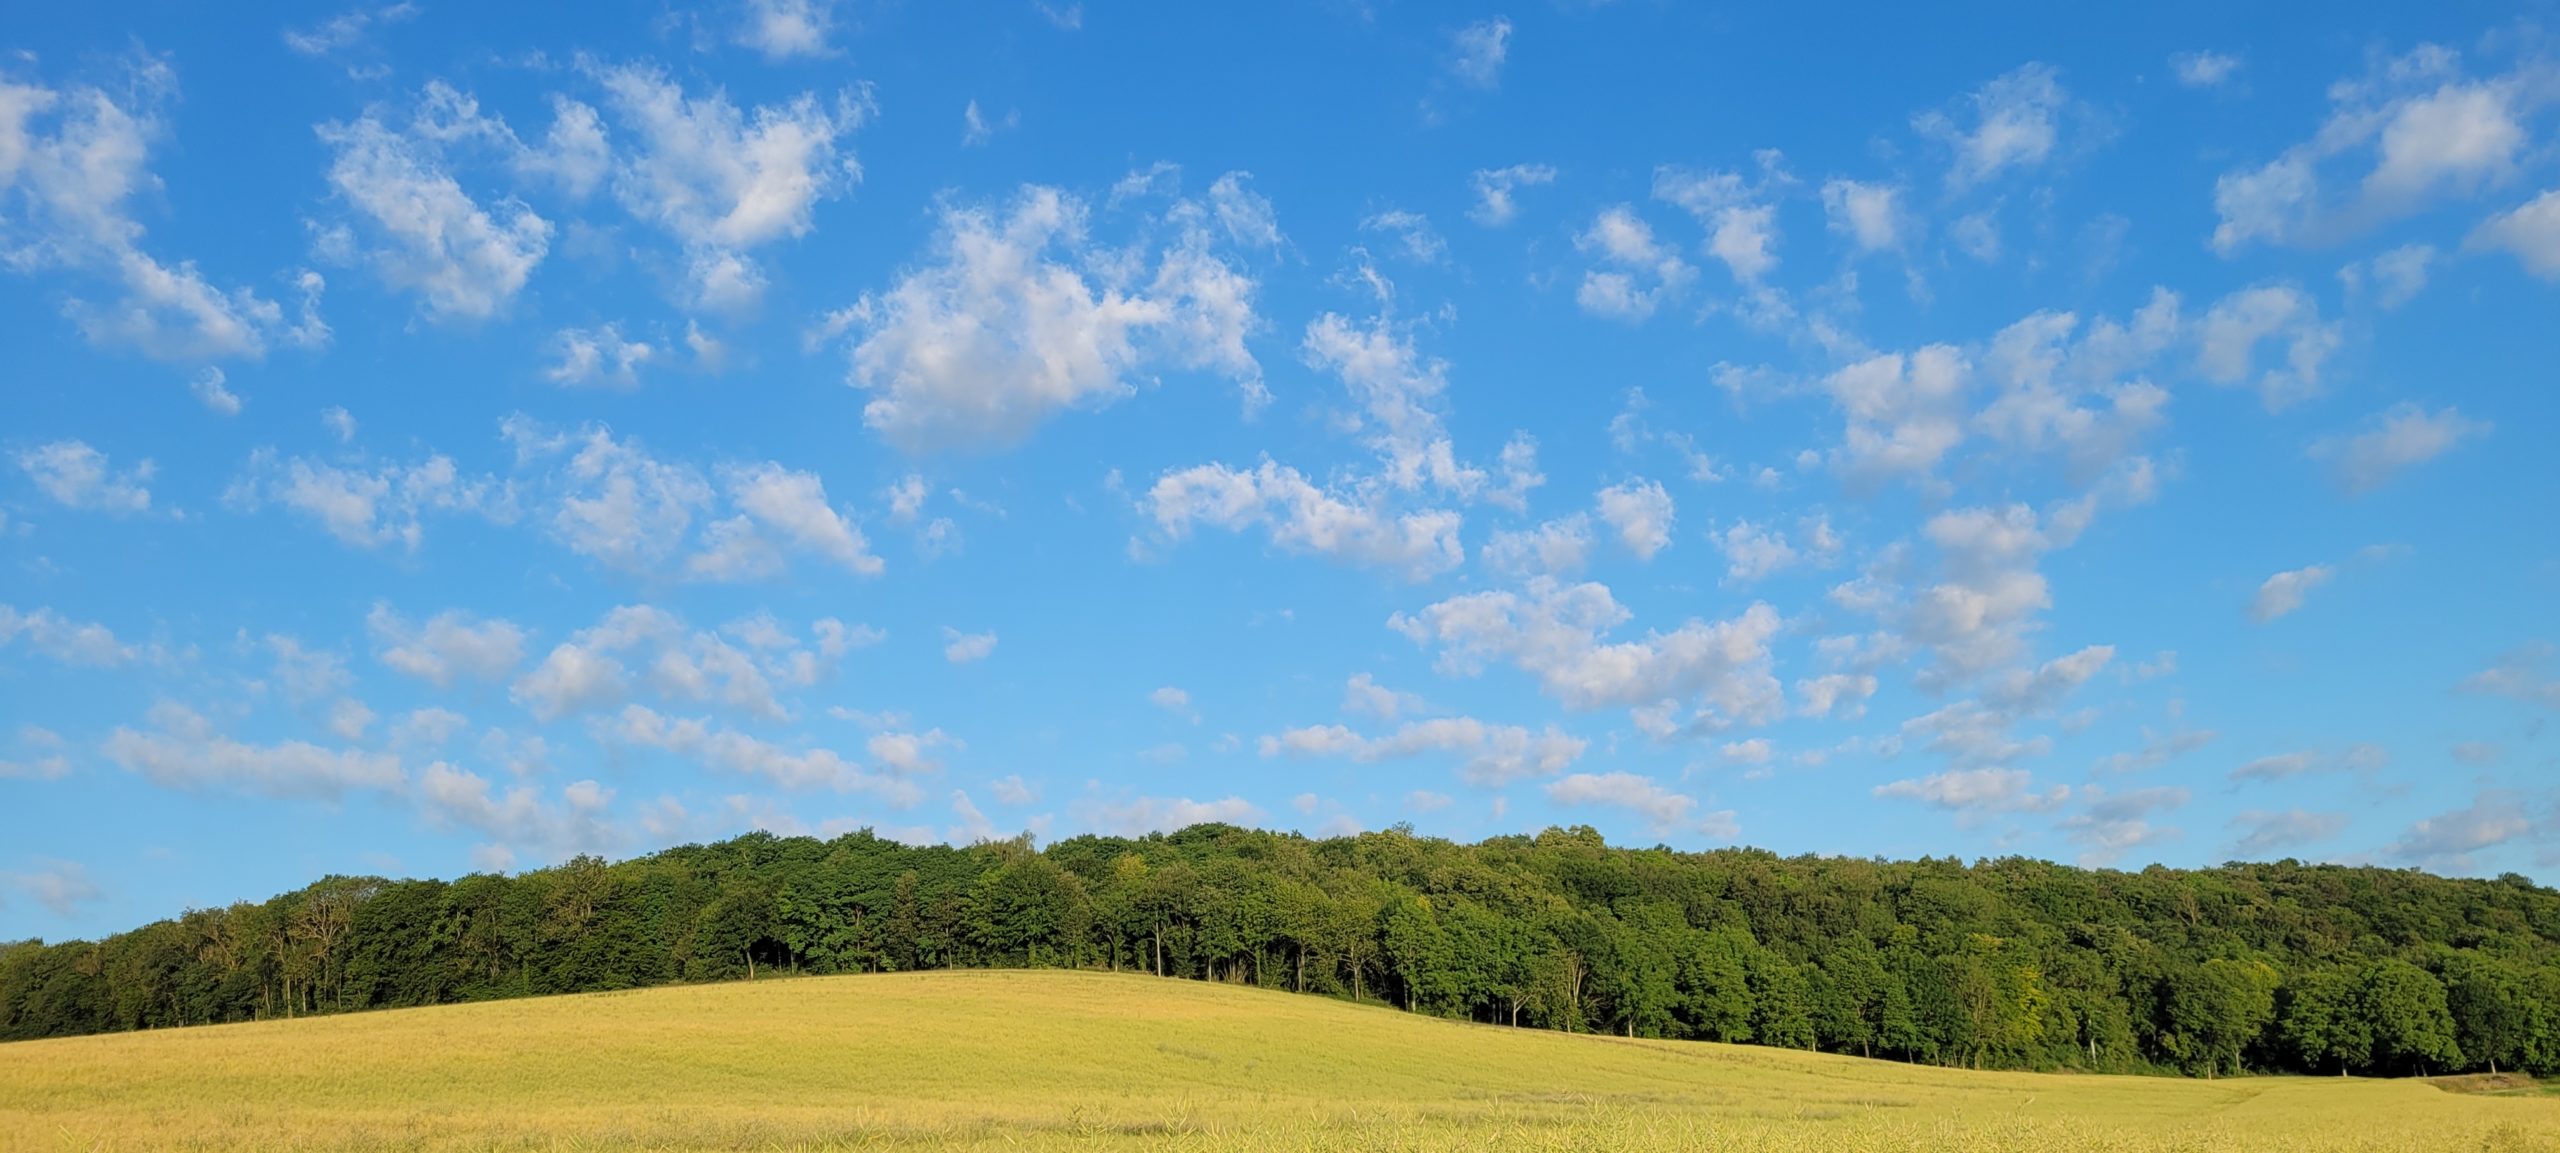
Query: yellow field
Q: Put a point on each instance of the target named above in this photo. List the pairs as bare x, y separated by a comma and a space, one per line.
979, 1060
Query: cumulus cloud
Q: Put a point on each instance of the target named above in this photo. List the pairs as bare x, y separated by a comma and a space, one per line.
346, 29
2283, 593
2012, 122
1905, 412
784, 29
1741, 223
181, 749
2418, 128
963, 648
2204, 68
2530, 232
60, 886
2394, 278
2396, 439
1556, 548
74, 161
416, 228
2113, 824
1641, 512
597, 357
209, 389
723, 181
2519, 673
446, 647
2278, 314
1978, 790
1497, 189
636, 648
2452, 841
1020, 315
729, 750
1635, 272
1491, 754
1349, 525
78, 476
84, 643
1662, 810
2258, 833
369, 503
1477, 51
1412, 231
1870, 216
1557, 633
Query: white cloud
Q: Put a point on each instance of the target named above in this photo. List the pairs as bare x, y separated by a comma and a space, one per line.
339, 422
2204, 68
1555, 633
2283, 592
1413, 234
2229, 335
1986, 789
2430, 133
45, 761
2396, 439
731, 751
597, 356
1637, 272
2517, 674
1173, 700
783, 29
1905, 413
2262, 832
1363, 695
71, 642
370, 504
2016, 122
1870, 215
1143, 815
78, 476
307, 674
1742, 227
1556, 548
976, 129
1495, 755
2113, 824
1353, 526
2530, 231
422, 233
1020, 316
1664, 812
59, 886
1013, 790
1843, 693
2396, 277
962, 648
1496, 188
1753, 552
588, 672
908, 754
447, 646
773, 501
1641, 512
74, 160
181, 749
723, 181
2450, 841
346, 29
617, 504
1478, 50
207, 385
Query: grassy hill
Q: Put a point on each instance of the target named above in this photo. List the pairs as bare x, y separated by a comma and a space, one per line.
1063, 1060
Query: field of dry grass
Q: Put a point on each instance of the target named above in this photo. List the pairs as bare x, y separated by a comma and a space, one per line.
1076, 1061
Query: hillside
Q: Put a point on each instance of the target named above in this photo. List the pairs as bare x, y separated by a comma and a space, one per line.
1059, 1060
2007, 964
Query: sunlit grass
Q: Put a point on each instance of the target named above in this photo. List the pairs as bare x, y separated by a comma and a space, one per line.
987, 1060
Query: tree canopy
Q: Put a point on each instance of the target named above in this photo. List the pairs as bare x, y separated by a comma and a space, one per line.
2010, 963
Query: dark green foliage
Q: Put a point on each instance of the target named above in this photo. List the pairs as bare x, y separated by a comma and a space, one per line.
2003, 964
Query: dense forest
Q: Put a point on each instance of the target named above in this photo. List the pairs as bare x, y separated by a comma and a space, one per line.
2011, 963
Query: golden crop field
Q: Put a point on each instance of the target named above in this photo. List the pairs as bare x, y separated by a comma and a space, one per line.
1056, 1060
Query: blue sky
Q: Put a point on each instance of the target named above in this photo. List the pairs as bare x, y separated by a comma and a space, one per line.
444, 437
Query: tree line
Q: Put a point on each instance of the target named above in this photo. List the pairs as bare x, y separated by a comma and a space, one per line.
2012, 963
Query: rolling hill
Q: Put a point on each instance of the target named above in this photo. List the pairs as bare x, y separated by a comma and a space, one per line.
1074, 1060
